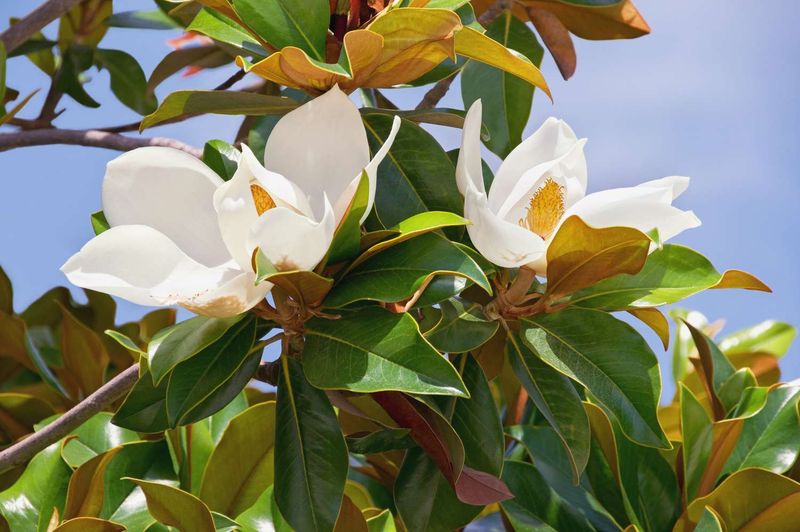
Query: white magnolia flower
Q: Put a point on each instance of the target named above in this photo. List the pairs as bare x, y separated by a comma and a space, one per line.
180, 235
540, 184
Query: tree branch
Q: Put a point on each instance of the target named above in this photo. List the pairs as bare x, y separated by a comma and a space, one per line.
25, 449
87, 137
37, 19
438, 91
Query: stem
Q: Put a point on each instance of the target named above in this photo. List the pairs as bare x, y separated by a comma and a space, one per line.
87, 137
37, 19
438, 91
25, 449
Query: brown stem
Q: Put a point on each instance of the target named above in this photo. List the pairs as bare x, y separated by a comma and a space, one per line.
87, 137
37, 19
438, 91
25, 449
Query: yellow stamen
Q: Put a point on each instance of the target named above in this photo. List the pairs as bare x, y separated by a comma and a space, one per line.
262, 199
545, 209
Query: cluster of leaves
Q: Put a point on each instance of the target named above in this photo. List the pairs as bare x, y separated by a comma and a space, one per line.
411, 393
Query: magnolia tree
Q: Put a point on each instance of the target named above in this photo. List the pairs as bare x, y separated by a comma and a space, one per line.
451, 347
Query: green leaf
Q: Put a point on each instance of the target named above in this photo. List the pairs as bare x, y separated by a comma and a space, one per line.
6, 294
770, 336
771, 438
241, 465
309, 484
416, 175
29, 502
19, 412
209, 380
200, 56
128, 82
262, 514
477, 421
188, 102
506, 98
126, 342
557, 400
221, 157
697, 432
397, 273
390, 354
670, 274
424, 498
300, 23
223, 29
713, 366
145, 20
709, 522
99, 222
535, 505
463, 327
347, 239
585, 345
68, 79
88, 524
144, 409
177, 508
380, 441
182, 341
95, 436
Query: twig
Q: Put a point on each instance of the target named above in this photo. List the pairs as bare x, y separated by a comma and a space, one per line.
438, 91
25, 449
37, 19
87, 137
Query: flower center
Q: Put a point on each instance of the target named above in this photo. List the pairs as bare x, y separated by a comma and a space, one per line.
262, 199
545, 209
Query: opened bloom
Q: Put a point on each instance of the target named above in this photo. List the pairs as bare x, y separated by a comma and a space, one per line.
180, 235
540, 184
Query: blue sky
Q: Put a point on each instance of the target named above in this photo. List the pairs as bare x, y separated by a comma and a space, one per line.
711, 93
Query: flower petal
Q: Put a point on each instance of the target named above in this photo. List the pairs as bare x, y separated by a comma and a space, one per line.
142, 265
501, 242
469, 168
319, 146
644, 207
677, 184
292, 241
552, 149
171, 191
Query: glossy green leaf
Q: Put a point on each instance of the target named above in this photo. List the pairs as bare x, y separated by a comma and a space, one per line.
697, 432
506, 98
770, 336
221, 28
670, 274
713, 366
178, 343
84, 355
535, 505
347, 239
29, 502
709, 522
380, 441
144, 409
177, 508
194, 56
397, 273
416, 175
585, 345
209, 380
241, 466
463, 327
19, 412
263, 514
477, 420
146, 20
771, 438
556, 398
95, 436
310, 453
128, 82
300, 23
86, 486
424, 498
74, 61
6, 293
390, 354
188, 102
221, 157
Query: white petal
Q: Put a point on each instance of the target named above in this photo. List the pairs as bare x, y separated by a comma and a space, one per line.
142, 265
281, 190
319, 146
469, 169
643, 208
171, 191
503, 243
676, 184
552, 149
292, 241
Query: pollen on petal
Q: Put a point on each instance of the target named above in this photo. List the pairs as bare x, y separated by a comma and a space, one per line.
262, 199
545, 209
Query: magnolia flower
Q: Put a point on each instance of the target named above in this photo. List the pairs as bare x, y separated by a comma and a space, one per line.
540, 184
180, 235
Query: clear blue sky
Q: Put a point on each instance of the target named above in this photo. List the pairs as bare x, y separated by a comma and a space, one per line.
711, 93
